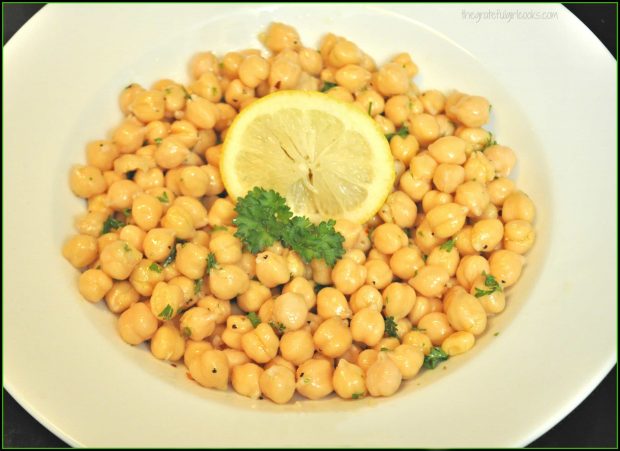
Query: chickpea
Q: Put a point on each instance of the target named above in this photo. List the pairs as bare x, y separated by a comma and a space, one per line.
86, 181
94, 284
321, 273
363, 242
252, 299
446, 220
303, 287
470, 267
518, 206
474, 196
349, 380
129, 136
331, 302
203, 62
349, 230
399, 209
197, 323
404, 149
180, 221
502, 158
137, 324
479, 169
436, 326
194, 209
499, 189
370, 101
206, 86
408, 359
146, 210
506, 266
472, 111
352, 77
378, 273
167, 343
148, 106
431, 280
158, 243
222, 213
145, 275
226, 248
383, 378
290, 310
166, 300
244, 379
271, 269
170, 153
424, 127
220, 309
406, 261
448, 150
184, 132
211, 369
152, 178
121, 296
201, 112
101, 155
297, 346
134, 235
463, 241
127, 95
278, 384
194, 349
348, 275
344, 52
477, 138
391, 79
492, 303
458, 343
333, 337
314, 378
423, 166
448, 177
236, 327
486, 234
228, 281
80, 250
235, 358
91, 223
367, 326
448, 259
464, 312
519, 236
310, 61
388, 238
118, 259
260, 344
423, 306
434, 101
279, 37
399, 107
399, 299
418, 340
385, 125
366, 358
265, 312
366, 296
425, 238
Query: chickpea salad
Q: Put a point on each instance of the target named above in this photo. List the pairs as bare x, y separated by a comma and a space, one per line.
303, 221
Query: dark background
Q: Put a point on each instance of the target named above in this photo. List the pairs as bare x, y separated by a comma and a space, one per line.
592, 424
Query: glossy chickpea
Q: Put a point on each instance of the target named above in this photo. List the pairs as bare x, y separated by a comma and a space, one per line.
349, 380
245, 380
119, 258
145, 275
370, 101
465, 313
408, 359
236, 327
404, 149
158, 243
272, 269
201, 112
519, 236
423, 306
314, 378
399, 299
331, 302
378, 273
290, 310
137, 324
153, 178
470, 267
252, 299
101, 154
388, 238
94, 284
333, 337
91, 223
506, 266
406, 261
227, 248
446, 220
128, 136
310, 61
220, 309
366, 358
367, 326
479, 169
458, 343
260, 344
86, 181
121, 296
127, 95
228, 281
211, 369
472, 111
499, 189
383, 378
424, 127
486, 234
349, 230
297, 346
449, 150
279, 37
493, 301
194, 349
391, 79
348, 276
167, 343
236, 358
343, 52
430, 281
184, 132
436, 326
197, 323
170, 153
474, 196
399, 209
446, 257
418, 340
502, 158
434, 101
321, 272
448, 177
434, 198
203, 62
366, 297
518, 206
278, 384
146, 210
180, 221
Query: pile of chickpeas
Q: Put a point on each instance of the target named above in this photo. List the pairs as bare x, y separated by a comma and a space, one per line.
453, 218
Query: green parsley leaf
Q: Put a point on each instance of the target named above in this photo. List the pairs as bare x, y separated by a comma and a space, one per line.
127, 212
130, 174
111, 224
424, 257
357, 395
163, 198
126, 248
448, 245
158, 141
198, 285
328, 85
435, 357
418, 329
254, 319
391, 328
318, 287
496, 334
403, 132
173, 252
166, 313
211, 262
186, 332
490, 142
187, 96
264, 218
369, 108
407, 231
491, 283
218, 228
155, 267
278, 327
383, 349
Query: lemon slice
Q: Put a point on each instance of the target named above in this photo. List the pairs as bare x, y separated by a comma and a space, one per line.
326, 157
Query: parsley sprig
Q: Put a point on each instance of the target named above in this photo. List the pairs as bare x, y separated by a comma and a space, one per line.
435, 357
403, 132
391, 328
264, 218
491, 283
111, 224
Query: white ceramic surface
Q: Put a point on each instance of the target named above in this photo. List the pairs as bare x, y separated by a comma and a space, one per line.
553, 89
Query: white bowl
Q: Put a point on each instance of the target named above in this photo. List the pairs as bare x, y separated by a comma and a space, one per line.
553, 90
